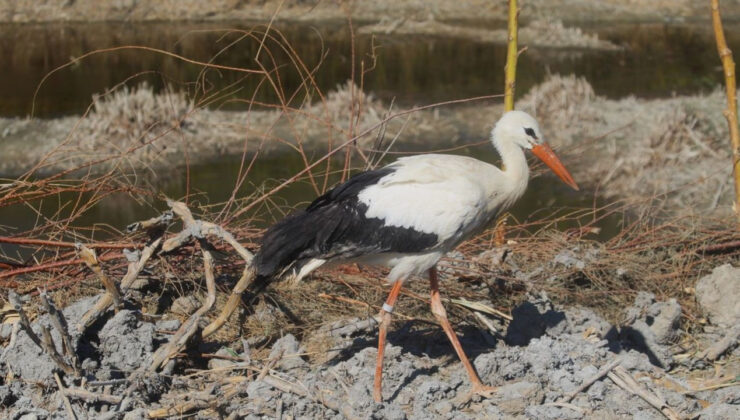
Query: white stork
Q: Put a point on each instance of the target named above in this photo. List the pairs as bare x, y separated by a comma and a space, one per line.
406, 216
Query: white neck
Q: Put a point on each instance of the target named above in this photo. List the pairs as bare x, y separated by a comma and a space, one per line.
515, 166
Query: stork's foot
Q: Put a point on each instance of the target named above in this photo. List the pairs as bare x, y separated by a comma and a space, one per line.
478, 391
377, 395
484, 391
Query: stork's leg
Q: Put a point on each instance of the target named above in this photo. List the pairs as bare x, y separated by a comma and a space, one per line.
439, 312
385, 320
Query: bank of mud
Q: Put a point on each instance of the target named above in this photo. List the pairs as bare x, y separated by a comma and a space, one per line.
317, 10
669, 153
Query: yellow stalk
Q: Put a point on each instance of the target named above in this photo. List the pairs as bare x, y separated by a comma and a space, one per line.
728, 64
511, 56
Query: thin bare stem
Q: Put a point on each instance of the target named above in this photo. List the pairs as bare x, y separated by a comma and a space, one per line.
728, 64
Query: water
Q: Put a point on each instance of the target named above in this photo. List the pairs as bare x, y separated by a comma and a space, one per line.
659, 60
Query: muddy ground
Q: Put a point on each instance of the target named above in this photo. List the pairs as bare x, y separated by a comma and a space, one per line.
543, 355
315, 10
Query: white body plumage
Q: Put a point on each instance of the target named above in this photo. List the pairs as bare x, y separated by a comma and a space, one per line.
452, 197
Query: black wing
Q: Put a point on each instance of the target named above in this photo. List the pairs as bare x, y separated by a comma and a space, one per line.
334, 226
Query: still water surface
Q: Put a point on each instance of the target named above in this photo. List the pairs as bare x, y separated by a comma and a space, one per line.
657, 60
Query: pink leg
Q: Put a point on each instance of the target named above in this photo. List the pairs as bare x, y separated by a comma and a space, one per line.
439, 312
385, 320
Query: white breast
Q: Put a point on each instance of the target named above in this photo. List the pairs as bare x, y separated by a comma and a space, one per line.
445, 195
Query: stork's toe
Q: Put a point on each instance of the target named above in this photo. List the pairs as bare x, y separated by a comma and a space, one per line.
478, 390
484, 391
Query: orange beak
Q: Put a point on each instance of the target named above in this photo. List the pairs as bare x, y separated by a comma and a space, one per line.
545, 153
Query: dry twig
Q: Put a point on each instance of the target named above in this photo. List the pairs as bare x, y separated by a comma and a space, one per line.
83, 394
625, 381
57, 319
63, 394
107, 299
91, 260
600, 374
15, 300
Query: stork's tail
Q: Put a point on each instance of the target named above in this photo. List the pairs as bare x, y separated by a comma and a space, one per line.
289, 244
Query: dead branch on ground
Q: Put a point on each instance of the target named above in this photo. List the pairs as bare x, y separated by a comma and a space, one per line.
604, 371
45, 343
107, 299
198, 229
624, 380
58, 321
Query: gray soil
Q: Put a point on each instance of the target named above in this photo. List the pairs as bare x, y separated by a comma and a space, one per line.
543, 355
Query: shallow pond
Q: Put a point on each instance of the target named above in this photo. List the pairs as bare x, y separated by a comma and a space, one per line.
657, 60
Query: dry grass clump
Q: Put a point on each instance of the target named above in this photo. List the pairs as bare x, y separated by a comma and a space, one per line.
128, 115
137, 128
133, 122
551, 33
671, 150
348, 99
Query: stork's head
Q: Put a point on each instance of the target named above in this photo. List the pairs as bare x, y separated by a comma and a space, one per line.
522, 129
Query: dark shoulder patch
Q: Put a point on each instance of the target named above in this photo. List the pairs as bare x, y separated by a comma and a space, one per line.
350, 188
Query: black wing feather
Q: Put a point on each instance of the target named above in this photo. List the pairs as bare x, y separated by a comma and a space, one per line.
334, 226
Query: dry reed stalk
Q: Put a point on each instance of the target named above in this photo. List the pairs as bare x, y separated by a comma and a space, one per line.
512, 54
728, 64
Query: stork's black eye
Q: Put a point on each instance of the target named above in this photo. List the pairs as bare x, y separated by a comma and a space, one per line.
530, 133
